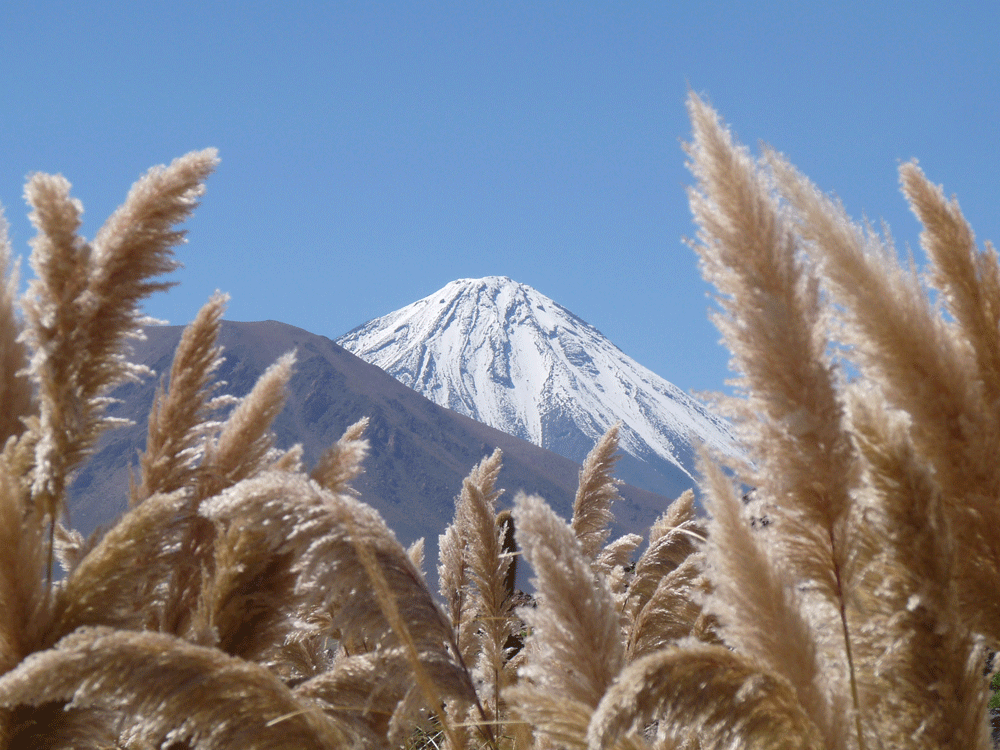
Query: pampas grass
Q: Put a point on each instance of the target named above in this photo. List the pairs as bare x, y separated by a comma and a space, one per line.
575, 646
860, 594
15, 391
233, 573
592, 513
83, 305
176, 692
180, 418
342, 462
246, 600
727, 700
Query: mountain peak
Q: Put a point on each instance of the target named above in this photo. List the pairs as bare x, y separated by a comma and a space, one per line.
488, 281
490, 285
503, 353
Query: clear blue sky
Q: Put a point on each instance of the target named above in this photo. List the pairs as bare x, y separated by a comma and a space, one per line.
372, 152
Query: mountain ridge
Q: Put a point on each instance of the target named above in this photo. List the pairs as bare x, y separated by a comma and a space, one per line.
420, 452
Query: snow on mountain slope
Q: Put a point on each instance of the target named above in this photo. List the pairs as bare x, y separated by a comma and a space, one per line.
510, 357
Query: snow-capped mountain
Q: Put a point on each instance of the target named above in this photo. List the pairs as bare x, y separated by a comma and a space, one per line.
510, 357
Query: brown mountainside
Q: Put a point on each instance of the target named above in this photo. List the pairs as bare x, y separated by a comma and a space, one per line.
420, 452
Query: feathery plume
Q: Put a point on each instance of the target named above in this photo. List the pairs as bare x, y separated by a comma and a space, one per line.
245, 443
432, 697
596, 493
452, 581
923, 364
761, 612
728, 700
416, 554
670, 613
924, 683
575, 622
791, 417
472, 569
118, 583
317, 535
772, 321
508, 544
21, 566
179, 418
663, 601
575, 637
239, 448
245, 605
613, 561
360, 692
15, 390
672, 540
171, 691
678, 513
488, 568
968, 279
341, 463
492, 606
84, 304
898, 341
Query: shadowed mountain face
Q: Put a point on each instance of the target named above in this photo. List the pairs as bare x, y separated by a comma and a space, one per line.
420, 452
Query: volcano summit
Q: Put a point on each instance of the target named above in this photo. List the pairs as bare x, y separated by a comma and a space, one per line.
510, 357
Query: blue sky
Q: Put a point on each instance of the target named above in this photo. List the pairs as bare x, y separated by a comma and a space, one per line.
372, 152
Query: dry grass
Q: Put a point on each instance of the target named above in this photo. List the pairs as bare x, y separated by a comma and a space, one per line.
245, 600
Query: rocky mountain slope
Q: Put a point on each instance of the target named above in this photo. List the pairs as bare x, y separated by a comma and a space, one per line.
420, 452
510, 357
